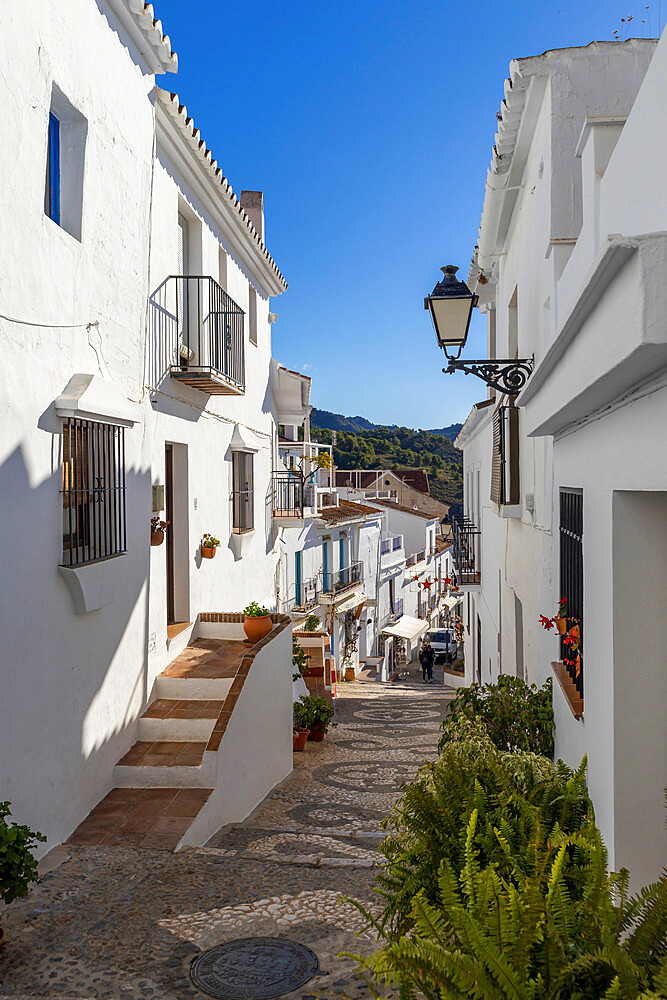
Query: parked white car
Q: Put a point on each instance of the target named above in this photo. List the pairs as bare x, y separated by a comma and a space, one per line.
443, 641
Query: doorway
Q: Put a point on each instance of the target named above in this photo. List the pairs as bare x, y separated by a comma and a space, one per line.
176, 510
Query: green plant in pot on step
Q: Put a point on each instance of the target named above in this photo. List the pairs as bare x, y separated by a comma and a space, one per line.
257, 622
312, 623
301, 727
209, 544
18, 867
319, 715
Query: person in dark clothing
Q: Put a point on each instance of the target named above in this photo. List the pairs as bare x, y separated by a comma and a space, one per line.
426, 658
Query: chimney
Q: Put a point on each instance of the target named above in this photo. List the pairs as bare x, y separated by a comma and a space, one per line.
252, 203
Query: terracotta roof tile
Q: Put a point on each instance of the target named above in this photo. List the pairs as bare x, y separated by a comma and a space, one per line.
345, 511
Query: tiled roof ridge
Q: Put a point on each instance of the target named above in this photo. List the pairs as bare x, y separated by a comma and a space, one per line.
144, 17
179, 113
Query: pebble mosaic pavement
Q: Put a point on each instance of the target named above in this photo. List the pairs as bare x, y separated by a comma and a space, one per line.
125, 923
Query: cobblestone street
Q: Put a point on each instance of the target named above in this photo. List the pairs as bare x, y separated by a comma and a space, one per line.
122, 922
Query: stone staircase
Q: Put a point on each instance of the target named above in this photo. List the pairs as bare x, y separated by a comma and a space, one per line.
166, 778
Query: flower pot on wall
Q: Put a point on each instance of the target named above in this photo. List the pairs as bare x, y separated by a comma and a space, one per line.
157, 537
299, 737
207, 553
257, 626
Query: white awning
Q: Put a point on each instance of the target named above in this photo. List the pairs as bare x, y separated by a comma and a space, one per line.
354, 599
451, 601
407, 628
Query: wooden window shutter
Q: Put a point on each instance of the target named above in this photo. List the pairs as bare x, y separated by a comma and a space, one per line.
497, 458
511, 490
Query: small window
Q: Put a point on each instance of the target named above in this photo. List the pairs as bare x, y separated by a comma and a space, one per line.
243, 495
52, 187
252, 315
93, 491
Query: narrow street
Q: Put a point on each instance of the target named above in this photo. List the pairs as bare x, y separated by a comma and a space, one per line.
124, 922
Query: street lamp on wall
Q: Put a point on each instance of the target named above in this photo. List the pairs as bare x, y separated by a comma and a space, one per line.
451, 304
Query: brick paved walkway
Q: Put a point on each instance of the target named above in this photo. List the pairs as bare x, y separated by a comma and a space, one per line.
120, 922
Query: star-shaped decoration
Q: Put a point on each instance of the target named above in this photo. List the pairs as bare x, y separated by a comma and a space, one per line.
427, 584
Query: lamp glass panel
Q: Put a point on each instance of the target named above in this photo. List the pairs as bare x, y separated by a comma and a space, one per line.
451, 317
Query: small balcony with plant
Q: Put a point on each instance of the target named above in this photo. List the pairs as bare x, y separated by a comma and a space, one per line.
198, 335
335, 584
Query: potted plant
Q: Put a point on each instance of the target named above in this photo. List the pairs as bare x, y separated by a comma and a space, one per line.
312, 623
319, 713
157, 530
301, 729
18, 867
209, 544
257, 623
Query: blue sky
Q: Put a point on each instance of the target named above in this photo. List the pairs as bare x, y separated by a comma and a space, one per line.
369, 128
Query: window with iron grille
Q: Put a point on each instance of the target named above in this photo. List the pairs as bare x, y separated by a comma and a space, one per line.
93, 491
243, 495
572, 580
505, 459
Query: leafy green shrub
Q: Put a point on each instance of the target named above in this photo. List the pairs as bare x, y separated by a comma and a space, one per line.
557, 927
317, 712
300, 659
301, 714
18, 867
254, 610
516, 715
514, 793
312, 623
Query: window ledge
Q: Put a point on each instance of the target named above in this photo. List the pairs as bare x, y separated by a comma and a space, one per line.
572, 697
240, 541
93, 585
510, 510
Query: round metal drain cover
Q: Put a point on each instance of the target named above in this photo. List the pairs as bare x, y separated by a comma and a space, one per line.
253, 968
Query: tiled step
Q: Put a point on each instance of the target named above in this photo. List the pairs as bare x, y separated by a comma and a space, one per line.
162, 764
194, 688
141, 817
173, 719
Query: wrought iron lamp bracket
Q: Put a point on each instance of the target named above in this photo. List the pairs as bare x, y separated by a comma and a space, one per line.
507, 376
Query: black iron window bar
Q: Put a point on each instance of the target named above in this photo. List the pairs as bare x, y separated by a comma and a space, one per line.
93, 491
209, 329
572, 580
288, 494
465, 534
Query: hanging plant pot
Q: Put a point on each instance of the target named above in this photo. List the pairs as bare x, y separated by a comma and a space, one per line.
257, 626
207, 553
157, 537
299, 737
561, 626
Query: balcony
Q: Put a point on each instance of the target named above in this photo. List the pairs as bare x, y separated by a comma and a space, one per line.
415, 558
289, 497
342, 580
305, 599
391, 551
393, 615
466, 536
202, 330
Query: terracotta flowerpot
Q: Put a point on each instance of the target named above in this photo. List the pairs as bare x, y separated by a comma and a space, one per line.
316, 734
257, 627
299, 737
207, 553
561, 626
157, 537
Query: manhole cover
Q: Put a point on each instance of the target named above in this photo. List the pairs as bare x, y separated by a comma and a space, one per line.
253, 968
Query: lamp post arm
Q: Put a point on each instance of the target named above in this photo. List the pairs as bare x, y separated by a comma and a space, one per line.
508, 376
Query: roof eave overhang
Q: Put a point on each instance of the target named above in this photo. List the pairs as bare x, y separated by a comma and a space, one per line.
146, 33
185, 148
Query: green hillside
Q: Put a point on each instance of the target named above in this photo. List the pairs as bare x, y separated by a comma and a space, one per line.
400, 448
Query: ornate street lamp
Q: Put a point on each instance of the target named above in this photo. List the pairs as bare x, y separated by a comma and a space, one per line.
451, 304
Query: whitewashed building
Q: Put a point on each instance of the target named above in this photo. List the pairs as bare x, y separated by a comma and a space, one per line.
566, 485
135, 331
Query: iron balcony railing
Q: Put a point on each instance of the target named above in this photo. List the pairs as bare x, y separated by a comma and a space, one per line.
466, 535
388, 545
288, 494
306, 595
207, 336
342, 579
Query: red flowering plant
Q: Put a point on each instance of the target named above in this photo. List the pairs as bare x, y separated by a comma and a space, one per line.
569, 629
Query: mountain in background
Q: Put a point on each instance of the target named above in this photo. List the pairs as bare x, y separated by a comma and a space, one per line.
338, 422
361, 444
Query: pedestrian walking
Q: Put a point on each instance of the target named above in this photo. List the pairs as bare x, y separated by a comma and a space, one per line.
426, 658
